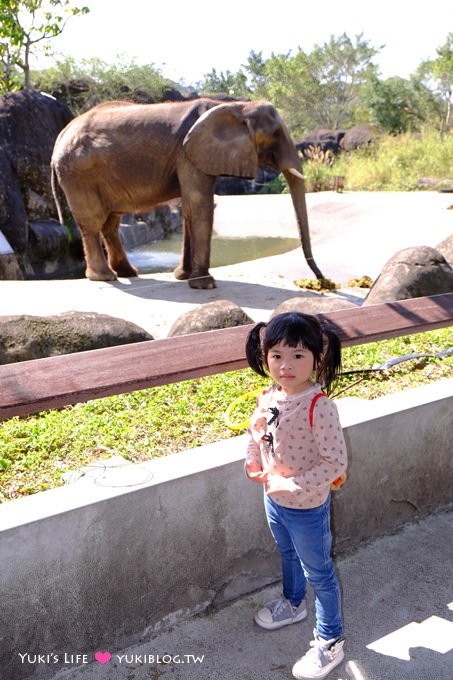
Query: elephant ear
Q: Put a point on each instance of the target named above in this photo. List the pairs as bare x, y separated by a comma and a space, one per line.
219, 143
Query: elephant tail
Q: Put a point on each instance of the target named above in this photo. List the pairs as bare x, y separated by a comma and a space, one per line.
56, 193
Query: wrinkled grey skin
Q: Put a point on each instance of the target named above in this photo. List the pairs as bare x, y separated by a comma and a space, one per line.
122, 158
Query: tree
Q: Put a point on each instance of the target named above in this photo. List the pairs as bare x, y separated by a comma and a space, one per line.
25, 24
231, 84
249, 81
398, 105
8, 73
439, 72
293, 88
342, 68
255, 68
321, 88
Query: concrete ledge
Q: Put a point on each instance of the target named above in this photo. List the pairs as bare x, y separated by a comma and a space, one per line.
400, 462
125, 551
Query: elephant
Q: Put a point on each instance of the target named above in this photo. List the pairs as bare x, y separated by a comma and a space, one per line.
120, 157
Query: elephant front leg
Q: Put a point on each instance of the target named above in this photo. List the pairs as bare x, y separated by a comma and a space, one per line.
190, 268
200, 235
198, 215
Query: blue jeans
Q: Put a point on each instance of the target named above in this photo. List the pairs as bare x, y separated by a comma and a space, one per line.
304, 540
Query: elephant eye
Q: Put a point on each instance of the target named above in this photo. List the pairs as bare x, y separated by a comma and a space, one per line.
277, 135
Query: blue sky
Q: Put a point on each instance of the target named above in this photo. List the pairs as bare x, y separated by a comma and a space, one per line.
186, 39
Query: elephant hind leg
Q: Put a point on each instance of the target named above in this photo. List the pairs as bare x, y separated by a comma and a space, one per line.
97, 268
182, 271
116, 254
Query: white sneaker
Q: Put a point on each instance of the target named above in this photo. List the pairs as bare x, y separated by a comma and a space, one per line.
323, 657
279, 613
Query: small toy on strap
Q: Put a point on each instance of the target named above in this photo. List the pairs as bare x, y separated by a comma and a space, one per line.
236, 404
341, 480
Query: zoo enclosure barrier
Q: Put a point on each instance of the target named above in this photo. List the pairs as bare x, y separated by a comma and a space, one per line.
31, 386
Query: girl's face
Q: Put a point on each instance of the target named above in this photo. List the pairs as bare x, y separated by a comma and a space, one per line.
291, 367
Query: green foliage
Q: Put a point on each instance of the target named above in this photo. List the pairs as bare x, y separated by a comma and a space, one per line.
439, 71
255, 69
392, 163
322, 88
37, 450
230, 84
397, 105
342, 68
25, 24
397, 163
293, 88
334, 86
88, 82
276, 186
318, 175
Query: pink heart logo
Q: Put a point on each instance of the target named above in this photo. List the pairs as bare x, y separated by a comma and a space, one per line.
103, 657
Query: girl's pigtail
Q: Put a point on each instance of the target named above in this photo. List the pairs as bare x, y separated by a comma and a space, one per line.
253, 350
329, 368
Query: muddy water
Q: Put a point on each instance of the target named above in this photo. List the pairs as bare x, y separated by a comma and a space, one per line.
163, 256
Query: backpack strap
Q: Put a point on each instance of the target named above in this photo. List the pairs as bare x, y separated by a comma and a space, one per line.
341, 480
312, 406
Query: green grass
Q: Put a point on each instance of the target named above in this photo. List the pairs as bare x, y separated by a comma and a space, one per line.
390, 164
398, 163
37, 450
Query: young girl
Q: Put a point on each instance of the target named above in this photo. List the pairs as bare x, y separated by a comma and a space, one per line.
297, 450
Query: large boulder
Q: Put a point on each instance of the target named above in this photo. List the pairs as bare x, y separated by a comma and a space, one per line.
321, 144
359, 136
314, 305
209, 317
53, 251
445, 248
411, 273
29, 124
144, 228
28, 337
30, 121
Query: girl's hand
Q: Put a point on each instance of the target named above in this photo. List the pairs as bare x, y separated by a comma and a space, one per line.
255, 473
277, 483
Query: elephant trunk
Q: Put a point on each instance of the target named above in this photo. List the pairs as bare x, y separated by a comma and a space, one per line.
296, 185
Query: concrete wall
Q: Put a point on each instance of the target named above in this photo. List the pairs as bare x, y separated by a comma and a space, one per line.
127, 549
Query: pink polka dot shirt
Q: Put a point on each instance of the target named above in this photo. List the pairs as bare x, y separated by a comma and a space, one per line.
284, 444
